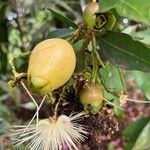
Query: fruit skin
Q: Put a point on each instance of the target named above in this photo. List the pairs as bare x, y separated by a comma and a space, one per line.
91, 97
51, 64
89, 14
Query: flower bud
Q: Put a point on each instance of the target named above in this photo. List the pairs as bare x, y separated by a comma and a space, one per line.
89, 14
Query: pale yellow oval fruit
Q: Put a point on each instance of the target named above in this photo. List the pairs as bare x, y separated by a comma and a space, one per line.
51, 64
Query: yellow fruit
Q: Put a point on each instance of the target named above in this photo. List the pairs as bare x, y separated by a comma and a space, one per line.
51, 64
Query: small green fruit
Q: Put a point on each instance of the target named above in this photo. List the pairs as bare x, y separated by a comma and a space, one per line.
89, 14
51, 64
91, 97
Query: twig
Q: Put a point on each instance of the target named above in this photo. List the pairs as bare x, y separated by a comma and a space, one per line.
122, 80
94, 60
84, 46
59, 100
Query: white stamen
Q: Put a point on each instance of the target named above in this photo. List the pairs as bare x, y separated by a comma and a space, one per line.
52, 133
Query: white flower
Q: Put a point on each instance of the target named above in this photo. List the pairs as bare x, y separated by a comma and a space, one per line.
52, 133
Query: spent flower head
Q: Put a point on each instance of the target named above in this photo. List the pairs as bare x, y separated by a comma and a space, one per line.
52, 133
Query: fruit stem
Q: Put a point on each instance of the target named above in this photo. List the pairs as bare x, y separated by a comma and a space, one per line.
113, 104
122, 80
94, 60
12, 63
75, 36
99, 59
84, 46
107, 88
138, 101
56, 107
59, 100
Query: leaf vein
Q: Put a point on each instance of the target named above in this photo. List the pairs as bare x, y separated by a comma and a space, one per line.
133, 8
126, 52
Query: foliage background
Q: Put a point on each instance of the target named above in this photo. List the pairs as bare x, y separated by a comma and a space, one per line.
25, 23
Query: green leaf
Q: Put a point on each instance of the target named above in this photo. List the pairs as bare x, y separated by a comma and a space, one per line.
142, 79
80, 63
4, 126
3, 86
59, 33
3, 24
132, 131
14, 93
111, 77
3, 60
137, 10
106, 5
118, 112
141, 35
143, 143
129, 145
4, 111
121, 50
63, 18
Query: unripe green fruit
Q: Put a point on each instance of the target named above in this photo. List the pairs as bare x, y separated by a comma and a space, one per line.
51, 64
89, 14
91, 97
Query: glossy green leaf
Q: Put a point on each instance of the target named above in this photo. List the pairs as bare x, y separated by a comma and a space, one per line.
142, 79
143, 143
62, 18
137, 10
132, 131
106, 5
110, 77
121, 50
59, 33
